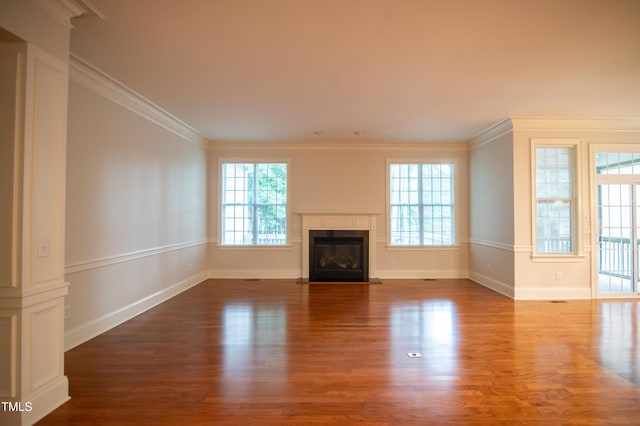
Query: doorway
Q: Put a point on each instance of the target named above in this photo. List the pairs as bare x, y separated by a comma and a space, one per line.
618, 216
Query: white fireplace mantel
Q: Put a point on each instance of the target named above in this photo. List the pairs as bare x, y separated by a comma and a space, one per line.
339, 221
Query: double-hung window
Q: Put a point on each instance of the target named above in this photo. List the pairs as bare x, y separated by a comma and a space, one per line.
254, 204
555, 199
421, 204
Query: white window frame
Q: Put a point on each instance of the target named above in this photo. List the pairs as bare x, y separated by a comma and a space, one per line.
454, 195
576, 199
220, 218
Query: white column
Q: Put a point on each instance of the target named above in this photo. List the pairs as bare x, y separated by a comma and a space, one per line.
33, 117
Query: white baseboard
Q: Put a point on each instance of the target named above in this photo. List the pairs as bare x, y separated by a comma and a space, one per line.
532, 293
492, 284
38, 404
82, 333
254, 274
391, 274
553, 293
295, 274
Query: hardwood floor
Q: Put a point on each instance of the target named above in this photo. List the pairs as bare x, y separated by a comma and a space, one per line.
276, 352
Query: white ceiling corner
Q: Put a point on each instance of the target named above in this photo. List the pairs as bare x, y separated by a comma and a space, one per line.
64, 10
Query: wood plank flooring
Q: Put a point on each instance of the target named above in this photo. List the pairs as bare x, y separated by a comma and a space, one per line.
275, 352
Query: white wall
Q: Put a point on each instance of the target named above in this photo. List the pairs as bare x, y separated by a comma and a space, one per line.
502, 253
569, 277
492, 246
136, 207
340, 177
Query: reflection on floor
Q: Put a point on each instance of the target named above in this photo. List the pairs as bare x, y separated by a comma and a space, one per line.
275, 352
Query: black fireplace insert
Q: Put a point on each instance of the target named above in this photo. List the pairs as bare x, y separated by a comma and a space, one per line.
339, 255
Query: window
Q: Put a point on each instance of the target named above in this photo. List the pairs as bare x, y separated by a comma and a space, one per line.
254, 204
555, 199
618, 163
421, 205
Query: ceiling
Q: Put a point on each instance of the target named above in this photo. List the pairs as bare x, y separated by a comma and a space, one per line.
388, 70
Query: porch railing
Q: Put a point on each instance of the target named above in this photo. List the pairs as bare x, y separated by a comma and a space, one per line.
616, 256
615, 253
554, 245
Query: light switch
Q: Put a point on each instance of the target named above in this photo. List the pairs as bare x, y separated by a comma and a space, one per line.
43, 248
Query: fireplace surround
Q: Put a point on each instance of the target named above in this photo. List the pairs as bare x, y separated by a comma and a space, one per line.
348, 228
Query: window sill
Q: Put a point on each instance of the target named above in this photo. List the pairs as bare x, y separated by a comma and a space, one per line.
551, 258
425, 248
253, 248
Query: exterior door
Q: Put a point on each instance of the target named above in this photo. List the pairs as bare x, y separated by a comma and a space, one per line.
618, 212
617, 180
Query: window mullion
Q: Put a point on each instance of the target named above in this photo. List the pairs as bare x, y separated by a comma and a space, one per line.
420, 206
255, 205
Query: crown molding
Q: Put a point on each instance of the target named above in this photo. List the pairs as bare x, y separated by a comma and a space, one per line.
491, 133
64, 10
338, 145
92, 78
556, 124
595, 124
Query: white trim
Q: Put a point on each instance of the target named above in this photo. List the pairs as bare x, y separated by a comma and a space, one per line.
46, 399
493, 132
84, 332
254, 274
337, 145
63, 10
296, 274
290, 243
453, 247
559, 124
47, 291
500, 246
392, 274
126, 257
552, 293
253, 248
558, 258
92, 78
492, 284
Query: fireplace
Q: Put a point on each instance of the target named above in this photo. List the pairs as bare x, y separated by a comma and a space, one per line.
339, 255
356, 225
